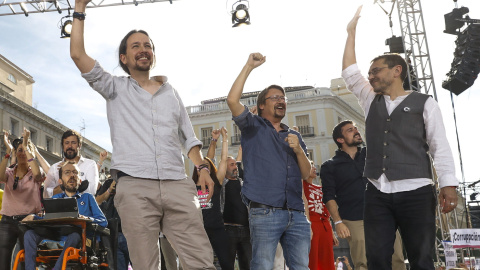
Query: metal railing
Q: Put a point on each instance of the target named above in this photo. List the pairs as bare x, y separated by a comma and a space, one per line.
306, 131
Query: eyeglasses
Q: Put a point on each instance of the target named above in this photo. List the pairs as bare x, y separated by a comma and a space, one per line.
277, 98
68, 173
15, 182
375, 71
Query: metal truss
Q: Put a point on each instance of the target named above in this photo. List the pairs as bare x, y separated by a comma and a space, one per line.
15, 7
416, 47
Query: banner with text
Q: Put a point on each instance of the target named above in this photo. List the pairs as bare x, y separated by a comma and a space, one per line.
465, 238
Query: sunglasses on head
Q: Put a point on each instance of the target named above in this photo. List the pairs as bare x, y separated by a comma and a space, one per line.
15, 183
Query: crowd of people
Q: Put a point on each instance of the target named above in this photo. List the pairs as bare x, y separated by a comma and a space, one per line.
240, 208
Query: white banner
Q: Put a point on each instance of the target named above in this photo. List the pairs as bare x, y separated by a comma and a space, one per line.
450, 255
465, 238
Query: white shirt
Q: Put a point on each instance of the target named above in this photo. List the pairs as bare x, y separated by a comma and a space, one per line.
149, 132
88, 171
435, 133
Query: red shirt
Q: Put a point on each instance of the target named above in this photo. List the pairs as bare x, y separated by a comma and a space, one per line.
316, 207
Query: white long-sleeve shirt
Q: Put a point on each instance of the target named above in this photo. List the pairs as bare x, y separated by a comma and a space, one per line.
435, 133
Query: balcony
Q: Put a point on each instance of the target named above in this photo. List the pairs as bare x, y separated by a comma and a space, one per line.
236, 139
206, 142
306, 131
250, 101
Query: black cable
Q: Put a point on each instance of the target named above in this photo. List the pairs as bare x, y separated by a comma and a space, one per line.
460, 157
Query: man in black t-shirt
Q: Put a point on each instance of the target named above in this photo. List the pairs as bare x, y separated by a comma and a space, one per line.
235, 216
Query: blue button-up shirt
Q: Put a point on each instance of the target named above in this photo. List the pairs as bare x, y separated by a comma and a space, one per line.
271, 172
87, 206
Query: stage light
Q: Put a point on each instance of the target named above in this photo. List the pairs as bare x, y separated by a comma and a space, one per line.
473, 196
240, 15
395, 44
65, 26
24, 8
453, 20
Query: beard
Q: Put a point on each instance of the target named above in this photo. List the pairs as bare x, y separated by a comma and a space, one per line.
381, 85
142, 68
232, 174
73, 154
354, 143
70, 188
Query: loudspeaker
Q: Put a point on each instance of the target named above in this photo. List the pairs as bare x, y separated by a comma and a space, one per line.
465, 66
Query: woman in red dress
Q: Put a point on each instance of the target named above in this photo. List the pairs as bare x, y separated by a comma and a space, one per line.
323, 239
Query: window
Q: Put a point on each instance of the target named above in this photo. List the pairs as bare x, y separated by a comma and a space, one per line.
33, 136
12, 78
310, 154
14, 127
206, 136
236, 135
303, 124
48, 144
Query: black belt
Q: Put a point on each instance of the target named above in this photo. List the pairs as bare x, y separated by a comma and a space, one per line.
121, 174
261, 205
17, 218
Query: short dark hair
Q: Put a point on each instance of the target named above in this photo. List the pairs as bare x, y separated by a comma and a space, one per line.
69, 133
261, 98
122, 49
17, 142
337, 131
61, 168
213, 171
391, 60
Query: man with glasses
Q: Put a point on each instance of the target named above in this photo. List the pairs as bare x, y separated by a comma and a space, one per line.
275, 162
87, 208
402, 129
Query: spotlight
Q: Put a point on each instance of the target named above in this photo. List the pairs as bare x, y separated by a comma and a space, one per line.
473, 196
24, 8
66, 27
240, 15
395, 44
453, 20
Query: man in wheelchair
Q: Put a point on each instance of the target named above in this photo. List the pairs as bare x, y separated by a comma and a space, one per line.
87, 208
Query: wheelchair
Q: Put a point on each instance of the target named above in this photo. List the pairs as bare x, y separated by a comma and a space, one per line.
91, 255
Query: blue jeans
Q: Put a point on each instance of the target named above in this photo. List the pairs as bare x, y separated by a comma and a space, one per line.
123, 259
31, 240
290, 227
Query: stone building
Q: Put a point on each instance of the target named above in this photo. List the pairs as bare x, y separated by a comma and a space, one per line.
16, 112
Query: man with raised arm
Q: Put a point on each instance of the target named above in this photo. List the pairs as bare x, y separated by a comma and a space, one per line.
402, 129
150, 129
275, 162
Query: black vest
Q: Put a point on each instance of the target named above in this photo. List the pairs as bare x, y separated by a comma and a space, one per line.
396, 143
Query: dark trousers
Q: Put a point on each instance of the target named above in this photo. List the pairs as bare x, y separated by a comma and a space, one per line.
9, 233
123, 258
219, 241
239, 237
413, 212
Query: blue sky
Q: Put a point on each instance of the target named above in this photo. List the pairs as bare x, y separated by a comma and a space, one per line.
201, 54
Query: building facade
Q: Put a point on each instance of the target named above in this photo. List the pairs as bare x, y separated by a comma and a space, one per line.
314, 110
16, 112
